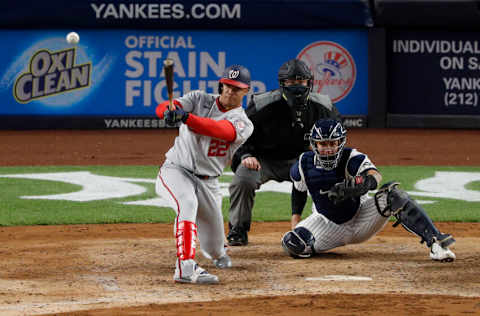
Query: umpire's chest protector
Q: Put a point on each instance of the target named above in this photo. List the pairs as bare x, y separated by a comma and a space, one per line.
274, 136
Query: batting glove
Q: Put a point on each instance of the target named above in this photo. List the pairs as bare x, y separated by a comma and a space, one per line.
175, 116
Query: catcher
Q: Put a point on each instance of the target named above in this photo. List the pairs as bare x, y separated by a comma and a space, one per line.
338, 179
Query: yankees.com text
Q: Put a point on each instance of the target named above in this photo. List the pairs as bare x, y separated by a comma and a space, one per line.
166, 11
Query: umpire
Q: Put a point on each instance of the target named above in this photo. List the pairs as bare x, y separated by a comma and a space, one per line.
282, 120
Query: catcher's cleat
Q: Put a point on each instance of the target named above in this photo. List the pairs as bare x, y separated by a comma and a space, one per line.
442, 254
223, 262
237, 237
190, 272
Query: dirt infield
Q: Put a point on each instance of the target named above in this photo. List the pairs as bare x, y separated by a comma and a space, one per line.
127, 269
440, 147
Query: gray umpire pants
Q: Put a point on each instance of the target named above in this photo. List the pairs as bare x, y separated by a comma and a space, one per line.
246, 181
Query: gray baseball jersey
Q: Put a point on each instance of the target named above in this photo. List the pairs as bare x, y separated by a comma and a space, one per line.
195, 198
203, 154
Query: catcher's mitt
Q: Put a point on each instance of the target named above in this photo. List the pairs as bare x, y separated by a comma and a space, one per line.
348, 189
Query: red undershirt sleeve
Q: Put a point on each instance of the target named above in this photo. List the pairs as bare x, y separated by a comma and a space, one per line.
222, 129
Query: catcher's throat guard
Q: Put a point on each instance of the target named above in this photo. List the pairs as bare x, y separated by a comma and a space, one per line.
408, 213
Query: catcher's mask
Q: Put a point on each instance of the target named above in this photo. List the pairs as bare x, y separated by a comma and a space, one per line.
332, 136
235, 75
295, 95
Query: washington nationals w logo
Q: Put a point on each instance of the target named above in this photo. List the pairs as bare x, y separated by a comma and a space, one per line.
232, 74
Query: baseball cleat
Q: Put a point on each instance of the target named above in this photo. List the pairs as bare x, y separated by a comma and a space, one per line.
223, 262
191, 272
437, 253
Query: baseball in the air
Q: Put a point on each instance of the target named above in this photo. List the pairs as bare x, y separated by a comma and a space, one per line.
73, 38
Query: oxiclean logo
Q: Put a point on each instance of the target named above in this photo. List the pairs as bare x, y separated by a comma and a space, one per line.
51, 73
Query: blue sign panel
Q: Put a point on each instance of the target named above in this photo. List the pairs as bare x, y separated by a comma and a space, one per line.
186, 14
434, 73
119, 72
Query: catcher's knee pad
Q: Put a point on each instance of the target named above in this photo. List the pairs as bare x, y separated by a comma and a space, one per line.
407, 212
298, 243
392, 197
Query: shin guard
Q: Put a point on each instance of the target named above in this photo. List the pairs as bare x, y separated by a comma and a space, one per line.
410, 214
186, 237
414, 219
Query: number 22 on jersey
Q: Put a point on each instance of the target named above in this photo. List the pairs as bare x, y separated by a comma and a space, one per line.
218, 148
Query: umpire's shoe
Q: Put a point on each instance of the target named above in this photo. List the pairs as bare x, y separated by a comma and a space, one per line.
188, 271
237, 237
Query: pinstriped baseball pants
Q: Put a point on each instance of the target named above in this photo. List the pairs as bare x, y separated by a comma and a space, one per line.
364, 225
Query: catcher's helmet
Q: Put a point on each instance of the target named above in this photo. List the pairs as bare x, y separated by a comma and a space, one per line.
328, 130
235, 75
295, 69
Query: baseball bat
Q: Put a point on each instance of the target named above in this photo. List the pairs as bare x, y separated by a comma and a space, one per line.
168, 69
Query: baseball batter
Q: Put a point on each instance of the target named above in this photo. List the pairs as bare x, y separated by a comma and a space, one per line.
214, 126
338, 179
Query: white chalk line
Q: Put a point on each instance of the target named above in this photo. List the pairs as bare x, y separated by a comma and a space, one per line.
339, 278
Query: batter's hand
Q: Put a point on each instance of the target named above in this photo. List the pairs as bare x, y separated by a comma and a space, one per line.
251, 163
175, 116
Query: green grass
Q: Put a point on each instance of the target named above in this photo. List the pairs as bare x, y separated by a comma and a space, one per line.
269, 206
473, 186
443, 209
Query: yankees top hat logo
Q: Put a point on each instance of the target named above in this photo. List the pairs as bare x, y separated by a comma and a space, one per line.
333, 68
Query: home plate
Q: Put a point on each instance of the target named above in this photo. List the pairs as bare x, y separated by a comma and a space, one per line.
339, 278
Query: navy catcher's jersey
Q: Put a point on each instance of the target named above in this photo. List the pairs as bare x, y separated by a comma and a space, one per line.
306, 174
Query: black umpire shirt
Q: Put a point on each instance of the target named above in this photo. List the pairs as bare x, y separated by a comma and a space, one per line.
274, 137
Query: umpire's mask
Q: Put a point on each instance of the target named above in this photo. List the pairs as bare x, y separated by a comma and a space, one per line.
296, 95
